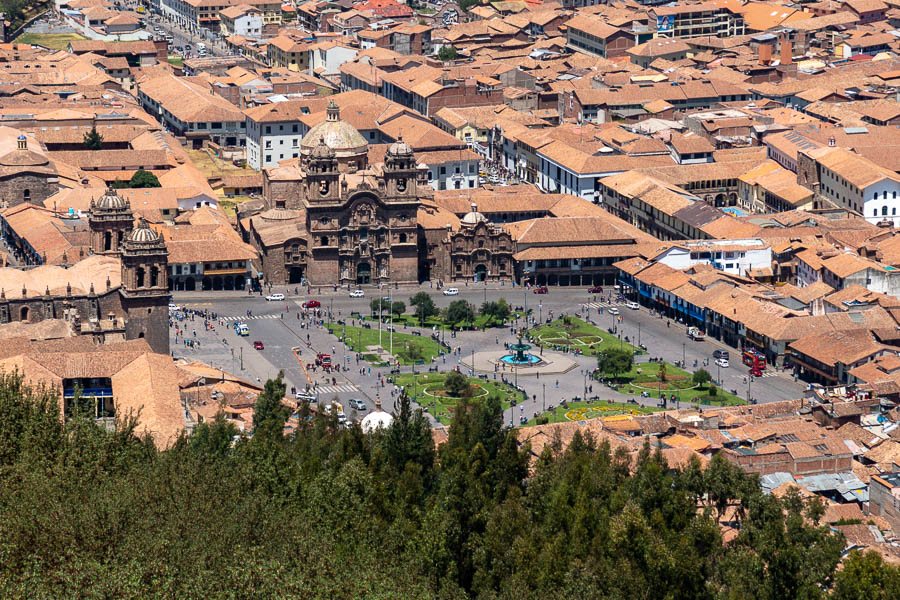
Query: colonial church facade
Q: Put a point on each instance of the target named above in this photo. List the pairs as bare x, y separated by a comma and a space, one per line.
335, 219
118, 293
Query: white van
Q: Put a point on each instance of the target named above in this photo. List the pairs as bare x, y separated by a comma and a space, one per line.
451, 292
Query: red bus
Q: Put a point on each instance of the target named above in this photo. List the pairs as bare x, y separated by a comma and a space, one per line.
754, 359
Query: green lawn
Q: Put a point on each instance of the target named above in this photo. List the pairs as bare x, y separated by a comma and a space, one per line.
428, 387
54, 41
407, 348
176, 60
645, 377
582, 411
577, 334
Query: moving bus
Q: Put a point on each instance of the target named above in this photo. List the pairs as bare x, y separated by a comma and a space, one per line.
754, 359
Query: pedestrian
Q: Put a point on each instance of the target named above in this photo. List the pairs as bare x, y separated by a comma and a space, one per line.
557, 384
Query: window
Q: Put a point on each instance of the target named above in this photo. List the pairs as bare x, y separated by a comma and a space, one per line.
201, 125
268, 144
26, 195
471, 168
268, 129
216, 126
402, 238
443, 170
294, 128
324, 240
363, 234
884, 211
268, 158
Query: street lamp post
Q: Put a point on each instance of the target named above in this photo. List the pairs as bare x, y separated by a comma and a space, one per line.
544, 402
749, 379
639, 335
540, 312
682, 356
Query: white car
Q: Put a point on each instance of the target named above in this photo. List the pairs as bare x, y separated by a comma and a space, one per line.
451, 292
275, 297
357, 294
613, 310
632, 305
173, 306
722, 363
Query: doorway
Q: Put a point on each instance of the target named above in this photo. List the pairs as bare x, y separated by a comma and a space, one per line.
480, 272
363, 273
295, 275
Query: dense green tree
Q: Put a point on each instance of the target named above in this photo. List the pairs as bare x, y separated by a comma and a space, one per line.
460, 312
447, 53
92, 512
614, 361
144, 179
424, 306
398, 307
865, 576
269, 414
456, 384
701, 377
380, 306
499, 311
93, 140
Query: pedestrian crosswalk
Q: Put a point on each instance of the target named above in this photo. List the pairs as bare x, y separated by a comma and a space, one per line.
605, 305
334, 389
251, 318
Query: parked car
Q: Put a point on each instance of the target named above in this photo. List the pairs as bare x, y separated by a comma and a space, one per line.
357, 404
258, 345
720, 354
357, 294
613, 310
632, 305
541, 289
312, 304
275, 297
451, 292
721, 362
597, 289
173, 306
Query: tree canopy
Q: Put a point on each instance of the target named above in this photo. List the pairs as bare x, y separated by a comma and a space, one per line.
460, 312
615, 361
330, 512
424, 306
93, 140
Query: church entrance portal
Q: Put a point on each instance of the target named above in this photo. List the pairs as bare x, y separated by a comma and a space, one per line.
363, 273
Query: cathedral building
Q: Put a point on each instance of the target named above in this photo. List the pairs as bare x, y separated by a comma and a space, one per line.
334, 218
118, 293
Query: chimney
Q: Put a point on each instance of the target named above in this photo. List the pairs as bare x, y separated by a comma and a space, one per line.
765, 54
786, 53
831, 142
22, 142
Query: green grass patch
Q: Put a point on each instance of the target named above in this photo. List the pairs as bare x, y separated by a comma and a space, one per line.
645, 377
54, 41
582, 411
407, 348
428, 391
176, 61
577, 335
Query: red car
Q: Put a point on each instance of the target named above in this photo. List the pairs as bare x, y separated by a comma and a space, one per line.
312, 304
258, 345
541, 289
597, 289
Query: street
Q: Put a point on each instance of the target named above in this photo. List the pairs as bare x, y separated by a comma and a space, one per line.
282, 331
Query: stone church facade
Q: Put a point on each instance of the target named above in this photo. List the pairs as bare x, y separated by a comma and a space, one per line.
118, 293
335, 219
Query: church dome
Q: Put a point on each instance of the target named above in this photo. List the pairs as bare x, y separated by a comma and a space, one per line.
378, 419
142, 234
23, 157
400, 148
111, 201
339, 136
473, 217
